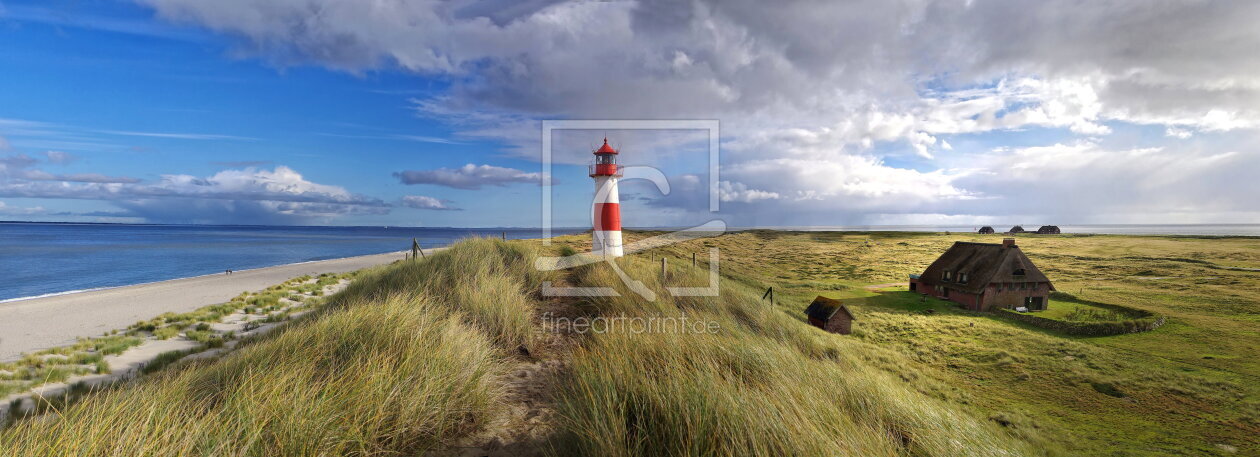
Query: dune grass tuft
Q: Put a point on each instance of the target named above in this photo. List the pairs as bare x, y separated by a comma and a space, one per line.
490, 280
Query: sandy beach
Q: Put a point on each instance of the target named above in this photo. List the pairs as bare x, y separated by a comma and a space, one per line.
45, 322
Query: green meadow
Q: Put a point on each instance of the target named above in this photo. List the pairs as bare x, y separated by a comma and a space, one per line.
455, 353
1190, 387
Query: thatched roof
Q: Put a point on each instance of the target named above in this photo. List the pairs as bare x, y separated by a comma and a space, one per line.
984, 263
823, 308
1016, 229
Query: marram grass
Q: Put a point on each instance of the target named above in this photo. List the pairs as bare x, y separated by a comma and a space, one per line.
385, 370
411, 357
764, 384
366, 380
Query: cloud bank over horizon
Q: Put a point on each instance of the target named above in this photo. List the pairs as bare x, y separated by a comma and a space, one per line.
815, 98
242, 196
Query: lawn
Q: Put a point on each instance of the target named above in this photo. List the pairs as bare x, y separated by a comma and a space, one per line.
1080, 312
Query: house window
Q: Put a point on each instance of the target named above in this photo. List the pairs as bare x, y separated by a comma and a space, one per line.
962, 278
946, 276
1019, 272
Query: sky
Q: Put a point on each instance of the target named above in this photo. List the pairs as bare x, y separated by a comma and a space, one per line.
428, 113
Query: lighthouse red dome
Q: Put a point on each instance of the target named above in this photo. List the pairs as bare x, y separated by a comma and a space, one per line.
605, 149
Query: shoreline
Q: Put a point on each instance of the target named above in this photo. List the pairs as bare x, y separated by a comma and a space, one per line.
97, 289
42, 322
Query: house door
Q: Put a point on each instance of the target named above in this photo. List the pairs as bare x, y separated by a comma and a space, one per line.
1035, 303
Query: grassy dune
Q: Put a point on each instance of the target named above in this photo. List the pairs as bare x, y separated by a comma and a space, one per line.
392, 366
416, 356
763, 384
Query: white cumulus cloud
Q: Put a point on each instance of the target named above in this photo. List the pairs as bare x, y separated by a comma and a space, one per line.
426, 202
469, 177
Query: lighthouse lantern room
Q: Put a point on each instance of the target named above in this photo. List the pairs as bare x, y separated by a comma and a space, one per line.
606, 210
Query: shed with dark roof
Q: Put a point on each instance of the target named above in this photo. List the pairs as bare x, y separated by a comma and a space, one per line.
830, 315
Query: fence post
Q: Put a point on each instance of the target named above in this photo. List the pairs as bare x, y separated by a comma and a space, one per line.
662, 268
504, 235
416, 252
693, 260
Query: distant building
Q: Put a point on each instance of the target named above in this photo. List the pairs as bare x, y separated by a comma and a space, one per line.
830, 315
1016, 229
1049, 230
986, 230
984, 276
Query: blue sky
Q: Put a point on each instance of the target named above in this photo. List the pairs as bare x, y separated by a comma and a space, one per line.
179, 111
193, 109
128, 95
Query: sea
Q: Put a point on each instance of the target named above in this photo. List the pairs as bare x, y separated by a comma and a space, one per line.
40, 259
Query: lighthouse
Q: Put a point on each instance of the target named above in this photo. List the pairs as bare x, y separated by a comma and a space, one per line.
606, 209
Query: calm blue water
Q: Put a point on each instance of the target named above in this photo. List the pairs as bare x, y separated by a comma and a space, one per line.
38, 259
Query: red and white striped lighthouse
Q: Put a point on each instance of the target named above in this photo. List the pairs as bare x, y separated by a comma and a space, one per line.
606, 211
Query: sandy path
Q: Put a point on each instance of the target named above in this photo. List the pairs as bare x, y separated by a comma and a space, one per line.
40, 323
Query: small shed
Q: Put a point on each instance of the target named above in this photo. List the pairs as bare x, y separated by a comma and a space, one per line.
1049, 230
1017, 229
986, 230
830, 315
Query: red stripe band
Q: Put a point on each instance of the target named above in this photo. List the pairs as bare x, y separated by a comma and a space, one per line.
607, 216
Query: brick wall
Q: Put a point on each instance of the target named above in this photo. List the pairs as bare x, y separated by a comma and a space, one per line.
1012, 296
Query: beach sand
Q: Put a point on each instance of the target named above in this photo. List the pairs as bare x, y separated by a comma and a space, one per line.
46, 322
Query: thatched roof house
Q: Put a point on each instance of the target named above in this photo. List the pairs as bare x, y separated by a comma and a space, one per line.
1016, 229
1049, 230
830, 315
981, 276
986, 230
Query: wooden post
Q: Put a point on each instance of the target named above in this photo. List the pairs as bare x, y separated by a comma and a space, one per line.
504, 235
662, 268
769, 293
693, 260
416, 252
